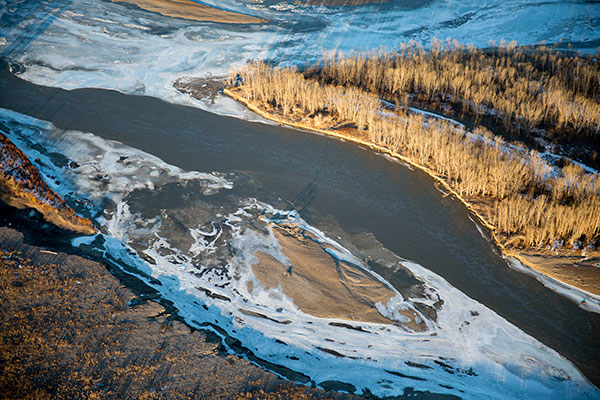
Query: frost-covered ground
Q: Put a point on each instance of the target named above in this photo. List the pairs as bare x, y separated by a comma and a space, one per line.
182, 234
87, 43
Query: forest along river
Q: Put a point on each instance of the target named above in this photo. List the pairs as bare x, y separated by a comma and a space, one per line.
297, 245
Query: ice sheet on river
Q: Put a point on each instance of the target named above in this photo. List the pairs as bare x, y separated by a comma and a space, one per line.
313, 306
86, 43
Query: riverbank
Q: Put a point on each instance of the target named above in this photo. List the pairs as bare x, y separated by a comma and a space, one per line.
560, 265
21, 186
193, 11
69, 328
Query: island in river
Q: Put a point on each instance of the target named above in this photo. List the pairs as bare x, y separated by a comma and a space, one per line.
547, 221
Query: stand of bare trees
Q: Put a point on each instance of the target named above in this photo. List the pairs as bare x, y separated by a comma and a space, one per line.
529, 201
521, 87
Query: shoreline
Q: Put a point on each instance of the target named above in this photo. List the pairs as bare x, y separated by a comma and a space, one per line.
72, 328
22, 186
571, 280
50, 98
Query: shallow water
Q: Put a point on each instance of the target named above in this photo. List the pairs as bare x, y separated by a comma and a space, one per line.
202, 230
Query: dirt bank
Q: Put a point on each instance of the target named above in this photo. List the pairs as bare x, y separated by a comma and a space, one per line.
22, 186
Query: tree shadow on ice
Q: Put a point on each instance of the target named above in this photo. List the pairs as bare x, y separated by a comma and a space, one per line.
25, 21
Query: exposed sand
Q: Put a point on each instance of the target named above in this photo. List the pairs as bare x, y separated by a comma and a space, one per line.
563, 267
581, 272
321, 287
187, 9
69, 329
337, 3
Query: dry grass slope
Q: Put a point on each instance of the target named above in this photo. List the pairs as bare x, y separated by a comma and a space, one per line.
22, 186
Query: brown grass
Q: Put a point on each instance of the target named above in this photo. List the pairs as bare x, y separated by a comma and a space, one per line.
526, 201
69, 330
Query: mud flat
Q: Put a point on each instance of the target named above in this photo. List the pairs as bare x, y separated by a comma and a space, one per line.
575, 276
579, 272
193, 11
580, 269
70, 329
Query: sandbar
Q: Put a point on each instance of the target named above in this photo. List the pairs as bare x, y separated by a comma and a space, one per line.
582, 272
187, 9
325, 287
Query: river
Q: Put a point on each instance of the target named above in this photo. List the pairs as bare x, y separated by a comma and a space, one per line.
338, 189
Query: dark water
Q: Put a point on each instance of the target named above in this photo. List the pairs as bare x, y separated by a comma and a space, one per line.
361, 190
